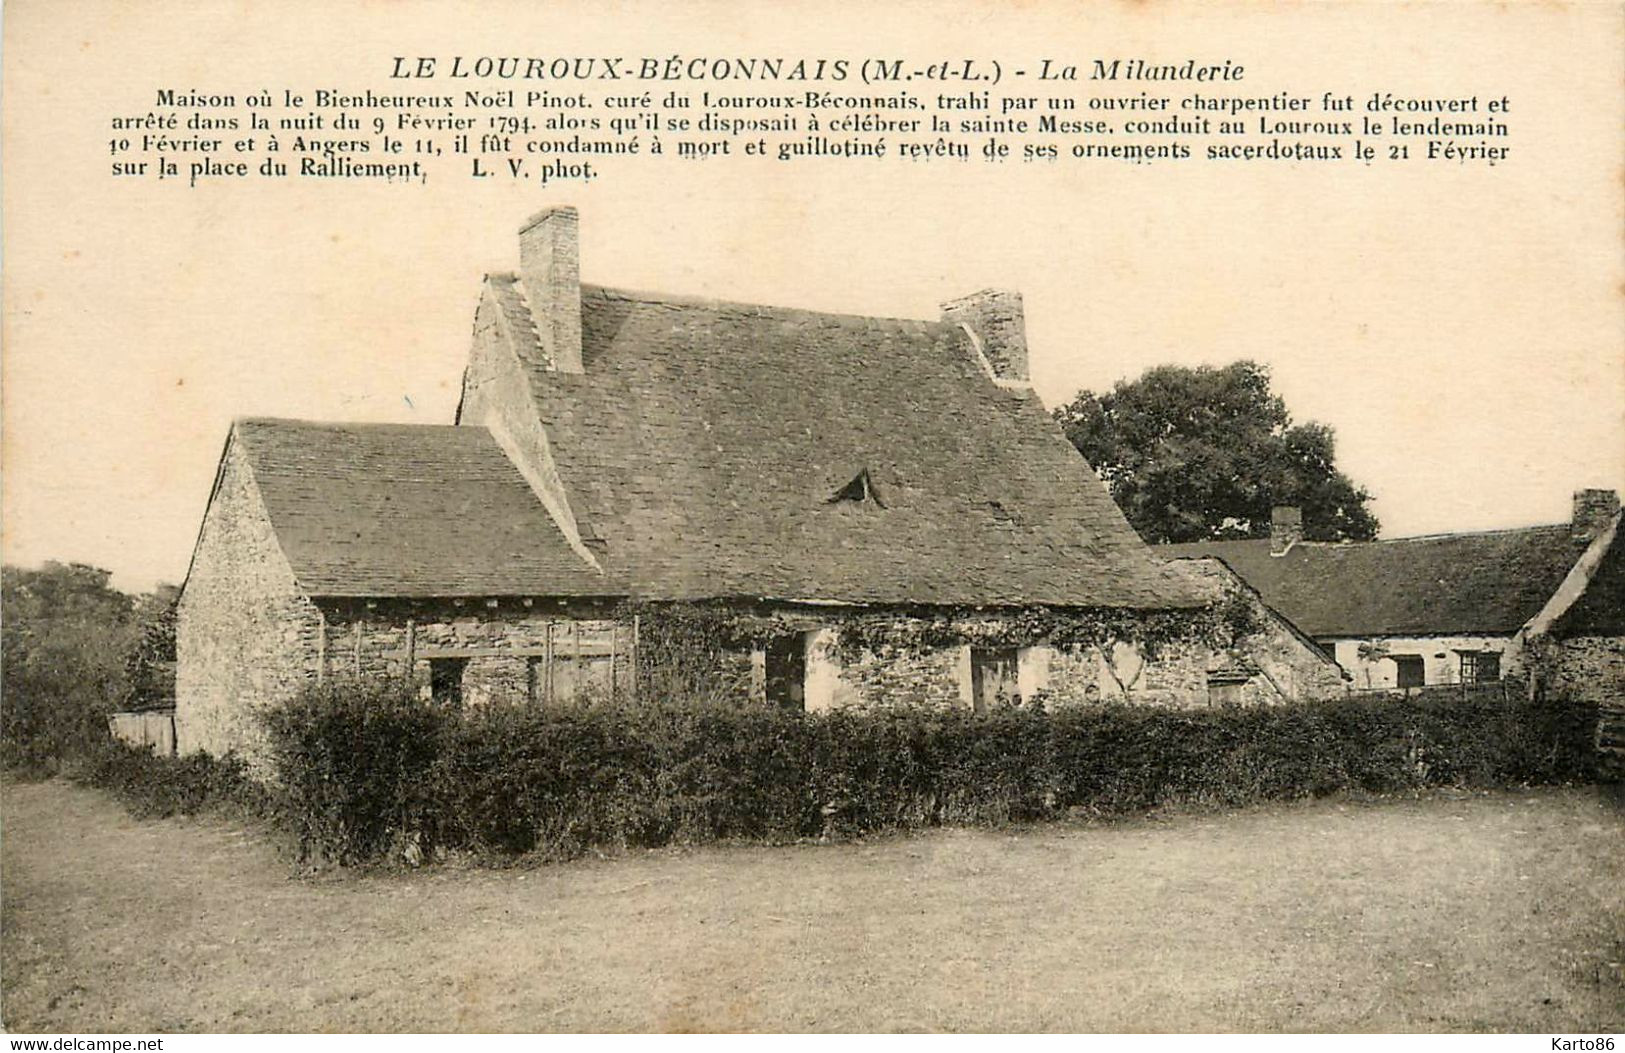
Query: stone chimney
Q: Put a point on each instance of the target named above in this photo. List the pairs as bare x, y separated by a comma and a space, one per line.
550, 271
1592, 511
996, 320
1286, 528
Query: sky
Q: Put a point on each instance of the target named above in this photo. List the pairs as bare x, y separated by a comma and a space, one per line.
1461, 327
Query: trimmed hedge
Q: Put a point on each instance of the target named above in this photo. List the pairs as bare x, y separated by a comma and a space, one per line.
367, 771
154, 787
355, 761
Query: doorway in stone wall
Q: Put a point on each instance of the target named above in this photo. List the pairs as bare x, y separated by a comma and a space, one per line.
1410, 673
993, 676
787, 672
446, 680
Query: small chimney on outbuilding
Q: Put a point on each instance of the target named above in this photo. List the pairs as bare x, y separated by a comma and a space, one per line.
998, 325
550, 274
1286, 528
1593, 509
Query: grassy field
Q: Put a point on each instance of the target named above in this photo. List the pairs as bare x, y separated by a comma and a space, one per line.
1471, 913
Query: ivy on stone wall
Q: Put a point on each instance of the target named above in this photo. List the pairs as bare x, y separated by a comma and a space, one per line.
684, 643
1149, 632
684, 649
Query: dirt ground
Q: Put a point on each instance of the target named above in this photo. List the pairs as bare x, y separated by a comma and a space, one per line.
1502, 912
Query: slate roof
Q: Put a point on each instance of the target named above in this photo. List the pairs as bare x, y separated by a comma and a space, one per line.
1450, 584
390, 510
704, 442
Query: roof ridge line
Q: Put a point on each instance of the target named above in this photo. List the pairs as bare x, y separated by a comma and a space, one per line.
696, 300
650, 296
1450, 534
1349, 543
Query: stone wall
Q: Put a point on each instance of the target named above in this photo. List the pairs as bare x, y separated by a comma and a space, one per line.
244, 634
1282, 664
1278, 666
892, 677
1064, 675
1177, 676
248, 638
1370, 661
1589, 668
505, 645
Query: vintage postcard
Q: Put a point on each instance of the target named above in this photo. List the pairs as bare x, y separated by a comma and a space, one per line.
992, 517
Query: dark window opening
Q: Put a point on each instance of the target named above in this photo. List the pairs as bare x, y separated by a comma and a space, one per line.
1410, 670
536, 685
446, 680
993, 676
787, 672
861, 488
1480, 667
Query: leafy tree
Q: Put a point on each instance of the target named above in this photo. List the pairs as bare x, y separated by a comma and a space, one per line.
149, 666
1204, 453
64, 636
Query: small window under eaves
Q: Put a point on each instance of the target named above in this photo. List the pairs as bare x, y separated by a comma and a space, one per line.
859, 490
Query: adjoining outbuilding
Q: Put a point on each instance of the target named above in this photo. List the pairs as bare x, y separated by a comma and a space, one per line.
1542, 605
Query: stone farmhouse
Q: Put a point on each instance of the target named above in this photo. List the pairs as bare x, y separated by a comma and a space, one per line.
1544, 605
872, 511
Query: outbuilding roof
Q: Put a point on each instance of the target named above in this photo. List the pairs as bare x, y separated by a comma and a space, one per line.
395, 510
1455, 584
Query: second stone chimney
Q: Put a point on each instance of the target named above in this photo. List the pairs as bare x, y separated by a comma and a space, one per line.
1286, 528
550, 271
1592, 511
997, 322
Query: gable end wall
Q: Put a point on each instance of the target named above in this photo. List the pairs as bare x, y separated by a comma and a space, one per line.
1289, 666
245, 635
496, 396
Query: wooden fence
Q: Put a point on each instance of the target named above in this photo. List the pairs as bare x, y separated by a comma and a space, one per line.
152, 727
